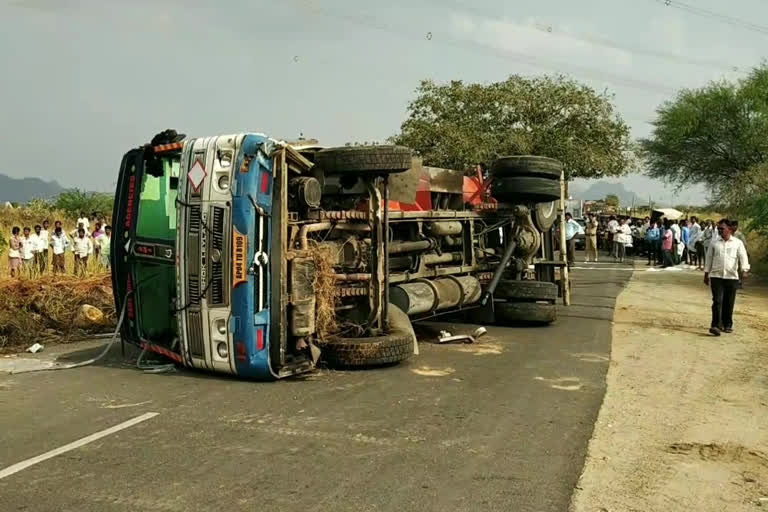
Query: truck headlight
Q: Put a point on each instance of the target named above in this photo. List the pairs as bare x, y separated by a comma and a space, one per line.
221, 326
223, 182
221, 348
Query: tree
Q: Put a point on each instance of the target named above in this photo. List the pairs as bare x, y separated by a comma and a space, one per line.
459, 124
612, 200
75, 201
716, 135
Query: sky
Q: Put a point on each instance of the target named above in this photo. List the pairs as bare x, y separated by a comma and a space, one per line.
83, 81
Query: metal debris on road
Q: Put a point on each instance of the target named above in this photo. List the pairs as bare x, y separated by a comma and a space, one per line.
447, 337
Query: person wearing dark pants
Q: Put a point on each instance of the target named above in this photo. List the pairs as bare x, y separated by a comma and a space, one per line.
726, 264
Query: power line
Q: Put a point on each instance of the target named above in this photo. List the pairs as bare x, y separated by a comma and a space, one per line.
487, 49
723, 18
608, 43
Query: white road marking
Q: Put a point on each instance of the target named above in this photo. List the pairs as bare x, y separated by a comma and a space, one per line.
10, 470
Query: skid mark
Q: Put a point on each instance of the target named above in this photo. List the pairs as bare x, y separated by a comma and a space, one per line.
589, 357
563, 383
726, 452
427, 371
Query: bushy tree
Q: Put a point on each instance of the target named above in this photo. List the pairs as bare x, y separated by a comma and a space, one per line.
716, 135
75, 201
612, 200
459, 124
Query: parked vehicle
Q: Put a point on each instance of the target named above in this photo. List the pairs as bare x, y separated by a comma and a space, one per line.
245, 255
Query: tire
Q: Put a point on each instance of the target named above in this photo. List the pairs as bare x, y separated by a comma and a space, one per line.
525, 189
545, 215
510, 313
356, 159
366, 352
526, 290
527, 165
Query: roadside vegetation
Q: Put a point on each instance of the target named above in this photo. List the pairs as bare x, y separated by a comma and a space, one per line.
45, 307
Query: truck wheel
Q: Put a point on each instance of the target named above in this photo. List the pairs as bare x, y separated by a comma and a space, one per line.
510, 313
527, 165
525, 189
371, 351
545, 215
526, 290
356, 159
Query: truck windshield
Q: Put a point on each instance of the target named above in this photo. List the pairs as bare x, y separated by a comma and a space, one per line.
157, 203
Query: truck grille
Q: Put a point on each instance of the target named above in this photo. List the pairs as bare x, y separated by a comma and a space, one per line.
195, 333
216, 277
193, 290
194, 218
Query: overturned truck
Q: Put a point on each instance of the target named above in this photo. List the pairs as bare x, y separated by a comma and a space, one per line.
246, 255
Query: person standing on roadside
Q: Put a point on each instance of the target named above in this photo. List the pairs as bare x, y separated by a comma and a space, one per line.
59, 243
668, 245
105, 242
572, 229
676, 239
685, 233
623, 240
652, 240
84, 221
613, 227
14, 252
727, 263
39, 258
44, 243
693, 239
82, 247
590, 232
28, 249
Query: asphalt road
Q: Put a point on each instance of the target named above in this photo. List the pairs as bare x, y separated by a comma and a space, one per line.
501, 425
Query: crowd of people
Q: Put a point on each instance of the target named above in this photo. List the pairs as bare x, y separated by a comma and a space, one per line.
718, 249
33, 251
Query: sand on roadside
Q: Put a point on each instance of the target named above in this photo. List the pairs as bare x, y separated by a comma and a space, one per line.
684, 422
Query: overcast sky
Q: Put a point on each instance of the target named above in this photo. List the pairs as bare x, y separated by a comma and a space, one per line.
85, 80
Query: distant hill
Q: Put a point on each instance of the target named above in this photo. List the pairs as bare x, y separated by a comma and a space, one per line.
21, 190
600, 189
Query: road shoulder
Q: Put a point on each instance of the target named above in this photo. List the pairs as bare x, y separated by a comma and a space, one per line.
682, 425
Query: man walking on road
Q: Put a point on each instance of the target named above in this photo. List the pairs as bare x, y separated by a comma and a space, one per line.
726, 264
590, 231
652, 241
572, 229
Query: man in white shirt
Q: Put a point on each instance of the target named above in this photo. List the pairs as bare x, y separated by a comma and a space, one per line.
44, 236
82, 247
613, 227
677, 246
693, 239
59, 243
28, 249
84, 221
726, 264
40, 245
623, 239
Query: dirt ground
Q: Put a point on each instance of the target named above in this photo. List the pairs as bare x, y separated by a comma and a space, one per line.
684, 422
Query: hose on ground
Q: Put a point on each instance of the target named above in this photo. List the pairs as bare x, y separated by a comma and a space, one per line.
115, 337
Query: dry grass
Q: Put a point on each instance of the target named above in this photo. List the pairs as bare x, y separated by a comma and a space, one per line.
324, 286
45, 307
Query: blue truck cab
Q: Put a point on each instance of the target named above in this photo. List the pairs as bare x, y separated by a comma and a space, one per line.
200, 242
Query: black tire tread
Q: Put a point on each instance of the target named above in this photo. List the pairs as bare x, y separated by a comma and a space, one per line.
527, 165
511, 313
355, 159
365, 352
526, 290
525, 189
